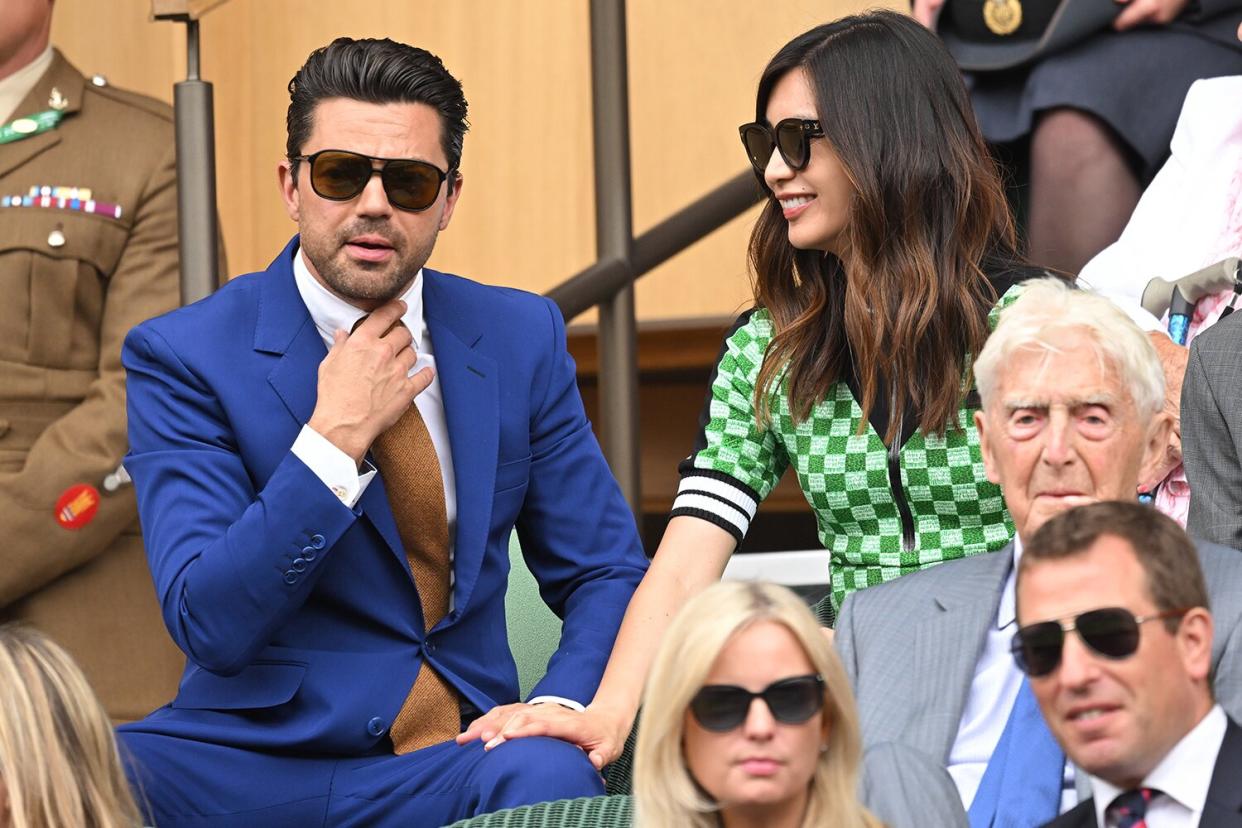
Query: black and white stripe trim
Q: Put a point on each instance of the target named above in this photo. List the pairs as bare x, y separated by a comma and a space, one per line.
717, 498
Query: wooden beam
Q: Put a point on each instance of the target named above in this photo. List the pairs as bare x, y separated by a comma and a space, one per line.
663, 345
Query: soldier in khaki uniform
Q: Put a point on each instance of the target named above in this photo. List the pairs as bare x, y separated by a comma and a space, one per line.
88, 248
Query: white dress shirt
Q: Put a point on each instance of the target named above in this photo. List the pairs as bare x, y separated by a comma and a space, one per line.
1183, 777
18, 85
994, 689
334, 467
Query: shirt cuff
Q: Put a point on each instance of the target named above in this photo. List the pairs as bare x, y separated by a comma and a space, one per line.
570, 703
331, 465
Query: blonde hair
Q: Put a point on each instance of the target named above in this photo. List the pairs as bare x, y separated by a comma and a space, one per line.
666, 796
58, 757
1047, 307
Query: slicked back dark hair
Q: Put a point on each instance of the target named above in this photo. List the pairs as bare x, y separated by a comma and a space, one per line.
380, 72
1163, 549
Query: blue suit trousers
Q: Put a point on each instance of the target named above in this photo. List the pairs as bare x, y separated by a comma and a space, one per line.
429, 787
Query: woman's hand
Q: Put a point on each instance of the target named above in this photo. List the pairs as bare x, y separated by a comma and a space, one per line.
601, 734
487, 726
1152, 12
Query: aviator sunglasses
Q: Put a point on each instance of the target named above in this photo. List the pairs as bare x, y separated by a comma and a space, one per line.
339, 175
722, 707
1112, 632
791, 137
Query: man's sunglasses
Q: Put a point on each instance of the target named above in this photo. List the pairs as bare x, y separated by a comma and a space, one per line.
1112, 632
722, 707
339, 175
791, 137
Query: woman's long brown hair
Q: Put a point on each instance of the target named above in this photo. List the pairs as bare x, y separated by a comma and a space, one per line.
927, 208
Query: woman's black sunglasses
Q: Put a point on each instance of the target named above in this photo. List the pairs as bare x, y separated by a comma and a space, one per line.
339, 175
722, 707
791, 137
1112, 632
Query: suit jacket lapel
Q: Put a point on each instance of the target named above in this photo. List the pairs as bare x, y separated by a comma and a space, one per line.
1223, 808
284, 327
469, 384
948, 645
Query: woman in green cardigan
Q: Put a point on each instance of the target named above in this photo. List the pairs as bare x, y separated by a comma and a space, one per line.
883, 250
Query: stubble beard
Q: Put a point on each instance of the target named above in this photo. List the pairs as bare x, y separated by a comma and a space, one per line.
369, 282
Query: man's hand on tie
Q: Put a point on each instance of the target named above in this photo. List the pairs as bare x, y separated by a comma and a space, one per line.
363, 382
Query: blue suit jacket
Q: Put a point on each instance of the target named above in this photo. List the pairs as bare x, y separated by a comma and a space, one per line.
298, 615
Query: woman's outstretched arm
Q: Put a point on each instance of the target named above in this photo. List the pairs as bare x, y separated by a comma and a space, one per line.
692, 555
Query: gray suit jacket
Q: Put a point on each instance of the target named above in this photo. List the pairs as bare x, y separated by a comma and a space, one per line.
910, 645
1212, 433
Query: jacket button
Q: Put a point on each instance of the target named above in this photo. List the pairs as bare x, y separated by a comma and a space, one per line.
377, 726
291, 577
298, 565
317, 541
309, 552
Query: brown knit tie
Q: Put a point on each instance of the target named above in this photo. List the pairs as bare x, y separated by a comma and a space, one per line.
411, 471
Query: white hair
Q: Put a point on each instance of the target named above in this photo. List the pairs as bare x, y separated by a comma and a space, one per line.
1045, 311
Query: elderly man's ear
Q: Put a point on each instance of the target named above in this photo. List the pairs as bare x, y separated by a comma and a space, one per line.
1173, 359
1161, 453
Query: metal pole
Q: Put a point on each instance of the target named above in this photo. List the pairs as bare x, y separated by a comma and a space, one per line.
614, 239
196, 178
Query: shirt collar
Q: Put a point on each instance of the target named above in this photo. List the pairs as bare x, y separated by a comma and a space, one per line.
18, 85
331, 313
1184, 774
1007, 613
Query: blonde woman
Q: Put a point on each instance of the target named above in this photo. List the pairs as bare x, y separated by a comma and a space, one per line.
59, 766
748, 719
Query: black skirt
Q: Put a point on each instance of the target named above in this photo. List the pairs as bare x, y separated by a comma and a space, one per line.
1135, 81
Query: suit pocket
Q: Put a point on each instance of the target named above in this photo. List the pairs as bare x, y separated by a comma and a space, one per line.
263, 684
513, 474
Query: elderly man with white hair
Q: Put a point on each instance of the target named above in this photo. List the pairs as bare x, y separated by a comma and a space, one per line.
1072, 395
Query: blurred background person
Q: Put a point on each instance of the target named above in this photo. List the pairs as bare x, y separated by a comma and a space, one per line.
1212, 409
1190, 218
59, 765
1081, 98
749, 719
88, 248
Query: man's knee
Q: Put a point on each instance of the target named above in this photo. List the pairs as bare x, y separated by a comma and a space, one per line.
535, 769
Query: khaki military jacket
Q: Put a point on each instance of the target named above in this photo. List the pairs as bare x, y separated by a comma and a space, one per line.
72, 284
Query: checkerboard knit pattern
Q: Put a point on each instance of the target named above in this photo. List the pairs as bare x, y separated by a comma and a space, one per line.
843, 474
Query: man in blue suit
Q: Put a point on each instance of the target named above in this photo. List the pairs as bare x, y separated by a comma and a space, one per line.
330, 457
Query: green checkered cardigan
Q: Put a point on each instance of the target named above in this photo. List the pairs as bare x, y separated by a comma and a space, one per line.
952, 509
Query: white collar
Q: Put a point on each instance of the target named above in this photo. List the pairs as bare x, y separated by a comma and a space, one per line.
17, 86
1185, 772
1007, 613
331, 313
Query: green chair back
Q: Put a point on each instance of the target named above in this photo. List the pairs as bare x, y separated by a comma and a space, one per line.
534, 630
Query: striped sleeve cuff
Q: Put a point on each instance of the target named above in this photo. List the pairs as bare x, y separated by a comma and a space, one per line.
717, 498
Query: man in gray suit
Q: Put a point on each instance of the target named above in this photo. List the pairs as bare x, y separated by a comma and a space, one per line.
1212, 439
1072, 397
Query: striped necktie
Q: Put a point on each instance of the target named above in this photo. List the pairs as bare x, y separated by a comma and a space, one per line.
1129, 809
